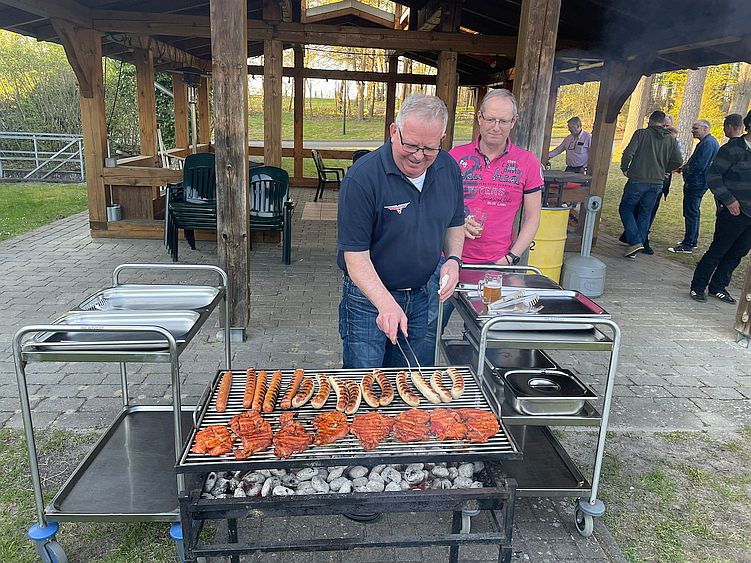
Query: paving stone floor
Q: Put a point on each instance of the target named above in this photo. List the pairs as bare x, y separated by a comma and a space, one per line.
679, 368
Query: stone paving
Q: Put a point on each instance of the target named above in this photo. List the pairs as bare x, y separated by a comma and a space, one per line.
679, 368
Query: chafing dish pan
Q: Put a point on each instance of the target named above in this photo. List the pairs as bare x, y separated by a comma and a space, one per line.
151, 297
546, 392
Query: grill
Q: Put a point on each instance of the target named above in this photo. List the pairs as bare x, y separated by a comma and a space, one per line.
346, 451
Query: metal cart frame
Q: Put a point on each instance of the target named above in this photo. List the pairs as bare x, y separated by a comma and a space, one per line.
48, 517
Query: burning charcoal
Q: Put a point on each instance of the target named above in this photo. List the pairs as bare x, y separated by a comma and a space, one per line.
476, 485
307, 474
282, 491
265, 472
413, 475
305, 488
231, 486
337, 483
466, 470
238, 475
378, 469
478, 466
358, 471
207, 495
429, 466
346, 488
441, 484
335, 472
453, 473
253, 478
320, 484
415, 466
359, 488
269, 485
359, 482
220, 486
210, 482
439, 471
393, 487
462, 483
404, 486
374, 486
278, 472
290, 481
376, 477
323, 473
254, 490
226, 474
391, 475
239, 492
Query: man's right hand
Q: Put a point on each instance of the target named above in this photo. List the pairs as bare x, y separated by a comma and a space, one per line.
734, 208
390, 319
472, 229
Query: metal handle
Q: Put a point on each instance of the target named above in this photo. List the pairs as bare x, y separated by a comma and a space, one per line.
194, 267
502, 268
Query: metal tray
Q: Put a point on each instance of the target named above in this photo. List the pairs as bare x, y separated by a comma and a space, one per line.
181, 324
556, 304
152, 297
546, 392
469, 278
347, 451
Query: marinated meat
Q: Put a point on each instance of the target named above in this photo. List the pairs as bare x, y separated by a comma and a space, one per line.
445, 424
371, 429
291, 437
213, 440
481, 425
254, 432
330, 426
412, 426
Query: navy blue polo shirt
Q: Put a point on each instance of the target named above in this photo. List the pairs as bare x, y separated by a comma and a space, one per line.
382, 211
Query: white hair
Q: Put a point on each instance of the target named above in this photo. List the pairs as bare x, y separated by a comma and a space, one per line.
429, 108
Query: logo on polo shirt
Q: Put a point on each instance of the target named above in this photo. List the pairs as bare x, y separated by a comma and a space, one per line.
398, 208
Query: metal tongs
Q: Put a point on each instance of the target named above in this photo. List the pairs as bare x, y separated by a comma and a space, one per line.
525, 303
409, 366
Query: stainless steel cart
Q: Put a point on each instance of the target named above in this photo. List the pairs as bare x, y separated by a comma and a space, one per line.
547, 469
129, 473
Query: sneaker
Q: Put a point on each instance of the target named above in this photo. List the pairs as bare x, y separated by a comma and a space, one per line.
681, 249
722, 296
648, 250
698, 296
633, 250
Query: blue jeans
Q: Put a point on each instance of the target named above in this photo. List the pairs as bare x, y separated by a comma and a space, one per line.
363, 343
636, 207
692, 214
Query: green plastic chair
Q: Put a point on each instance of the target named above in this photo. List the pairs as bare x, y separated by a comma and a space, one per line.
270, 206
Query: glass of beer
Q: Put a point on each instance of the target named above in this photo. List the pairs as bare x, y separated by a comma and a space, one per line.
490, 287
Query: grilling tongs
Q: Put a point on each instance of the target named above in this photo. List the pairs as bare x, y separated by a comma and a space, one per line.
409, 366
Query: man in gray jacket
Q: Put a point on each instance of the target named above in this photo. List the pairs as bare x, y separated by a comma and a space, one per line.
651, 153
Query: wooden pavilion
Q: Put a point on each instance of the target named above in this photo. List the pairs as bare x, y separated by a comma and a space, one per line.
532, 46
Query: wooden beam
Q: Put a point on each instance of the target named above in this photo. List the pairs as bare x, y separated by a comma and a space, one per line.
229, 44
140, 176
446, 90
204, 115
76, 53
299, 109
272, 102
743, 314
180, 99
390, 97
538, 33
162, 52
146, 99
367, 76
68, 10
480, 92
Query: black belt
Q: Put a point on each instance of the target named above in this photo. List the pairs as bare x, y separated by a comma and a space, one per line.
406, 289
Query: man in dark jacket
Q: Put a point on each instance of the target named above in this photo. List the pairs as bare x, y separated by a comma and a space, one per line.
729, 178
695, 184
651, 153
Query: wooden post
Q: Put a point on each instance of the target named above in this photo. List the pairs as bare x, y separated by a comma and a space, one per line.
204, 115
445, 89
535, 54
550, 117
299, 110
480, 92
743, 316
229, 46
146, 98
272, 91
390, 96
83, 48
180, 93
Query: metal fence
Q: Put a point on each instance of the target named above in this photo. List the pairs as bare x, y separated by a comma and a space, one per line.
41, 156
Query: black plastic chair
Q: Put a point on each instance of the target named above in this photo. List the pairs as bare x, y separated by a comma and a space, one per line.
326, 175
359, 153
270, 206
191, 204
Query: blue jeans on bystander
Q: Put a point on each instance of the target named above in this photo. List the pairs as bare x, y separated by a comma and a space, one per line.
692, 214
636, 207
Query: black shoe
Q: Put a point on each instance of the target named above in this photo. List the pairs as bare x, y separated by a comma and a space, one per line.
723, 296
648, 250
698, 296
681, 249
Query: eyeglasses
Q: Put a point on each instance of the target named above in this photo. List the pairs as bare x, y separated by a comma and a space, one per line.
496, 121
412, 149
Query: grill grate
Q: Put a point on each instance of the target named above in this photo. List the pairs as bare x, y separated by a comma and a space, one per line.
346, 451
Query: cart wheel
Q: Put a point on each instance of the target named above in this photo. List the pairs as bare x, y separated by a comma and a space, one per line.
585, 524
55, 552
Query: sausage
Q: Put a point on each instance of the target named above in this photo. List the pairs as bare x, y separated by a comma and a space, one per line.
437, 384
286, 403
457, 383
367, 391
269, 402
424, 388
324, 389
304, 392
222, 395
387, 390
342, 393
260, 391
412, 399
250, 387
353, 396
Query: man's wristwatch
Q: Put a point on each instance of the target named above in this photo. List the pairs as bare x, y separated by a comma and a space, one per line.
513, 259
455, 259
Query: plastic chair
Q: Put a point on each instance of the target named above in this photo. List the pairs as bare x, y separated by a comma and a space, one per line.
359, 153
270, 206
191, 204
326, 175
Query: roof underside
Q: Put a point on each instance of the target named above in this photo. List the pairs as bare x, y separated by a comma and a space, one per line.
665, 35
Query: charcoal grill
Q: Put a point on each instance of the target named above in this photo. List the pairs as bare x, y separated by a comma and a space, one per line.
497, 495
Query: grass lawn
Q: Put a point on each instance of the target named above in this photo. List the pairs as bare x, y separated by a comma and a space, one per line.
24, 207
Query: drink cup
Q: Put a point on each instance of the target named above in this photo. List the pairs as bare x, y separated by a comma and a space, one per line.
490, 287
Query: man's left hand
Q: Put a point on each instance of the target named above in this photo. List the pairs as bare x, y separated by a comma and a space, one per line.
450, 269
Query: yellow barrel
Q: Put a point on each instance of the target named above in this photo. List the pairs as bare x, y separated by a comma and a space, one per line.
546, 250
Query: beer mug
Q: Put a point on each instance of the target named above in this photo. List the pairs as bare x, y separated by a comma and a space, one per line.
490, 287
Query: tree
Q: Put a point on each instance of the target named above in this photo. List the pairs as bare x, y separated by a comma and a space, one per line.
637, 108
742, 91
690, 105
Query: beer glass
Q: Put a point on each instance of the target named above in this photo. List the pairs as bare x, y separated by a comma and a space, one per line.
490, 287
